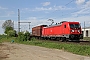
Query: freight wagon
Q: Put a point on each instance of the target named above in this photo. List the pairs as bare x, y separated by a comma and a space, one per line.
62, 31
37, 31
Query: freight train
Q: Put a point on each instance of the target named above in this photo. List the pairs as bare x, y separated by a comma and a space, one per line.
62, 31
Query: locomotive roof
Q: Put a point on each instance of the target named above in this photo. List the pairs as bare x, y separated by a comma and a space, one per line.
41, 25
57, 24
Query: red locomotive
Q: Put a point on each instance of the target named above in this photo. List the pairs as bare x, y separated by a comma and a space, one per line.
62, 31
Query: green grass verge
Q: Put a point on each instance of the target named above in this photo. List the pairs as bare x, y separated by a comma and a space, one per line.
1, 37
4, 38
86, 38
74, 48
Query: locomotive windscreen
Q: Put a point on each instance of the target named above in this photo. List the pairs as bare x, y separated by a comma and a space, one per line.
74, 25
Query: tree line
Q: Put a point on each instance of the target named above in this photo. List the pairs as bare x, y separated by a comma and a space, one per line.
8, 27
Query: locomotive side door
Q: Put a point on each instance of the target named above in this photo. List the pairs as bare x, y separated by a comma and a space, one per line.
64, 29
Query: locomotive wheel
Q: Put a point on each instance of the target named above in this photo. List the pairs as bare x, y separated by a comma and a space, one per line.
58, 39
63, 39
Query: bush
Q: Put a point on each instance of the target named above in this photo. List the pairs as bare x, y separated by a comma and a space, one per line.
20, 36
27, 35
23, 36
11, 33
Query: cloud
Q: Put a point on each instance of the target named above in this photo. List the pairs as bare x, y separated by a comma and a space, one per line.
87, 4
42, 9
51, 8
1, 22
10, 13
79, 2
46, 3
7, 14
83, 9
1, 30
54, 8
2, 8
35, 20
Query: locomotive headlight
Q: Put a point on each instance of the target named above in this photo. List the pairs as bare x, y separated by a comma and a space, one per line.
72, 30
78, 30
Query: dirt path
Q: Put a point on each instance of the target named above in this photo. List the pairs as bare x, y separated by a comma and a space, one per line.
10, 51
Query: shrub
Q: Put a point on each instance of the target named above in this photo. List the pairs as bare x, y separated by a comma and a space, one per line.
20, 36
11, 33
27, 35
23, 36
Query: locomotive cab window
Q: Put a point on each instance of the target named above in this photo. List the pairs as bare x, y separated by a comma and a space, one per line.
74, 25
64, 26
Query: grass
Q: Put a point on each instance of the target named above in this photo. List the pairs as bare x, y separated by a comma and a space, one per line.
1, 37
4, 38
86, 38
74, 48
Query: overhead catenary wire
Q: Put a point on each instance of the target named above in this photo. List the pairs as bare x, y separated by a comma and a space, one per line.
77, 11
64, 6
73, 11
69, 2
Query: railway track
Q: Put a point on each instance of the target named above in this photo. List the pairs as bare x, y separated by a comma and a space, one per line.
84, 42
81, 42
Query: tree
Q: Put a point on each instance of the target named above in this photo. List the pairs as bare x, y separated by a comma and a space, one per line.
8, 23
7, 29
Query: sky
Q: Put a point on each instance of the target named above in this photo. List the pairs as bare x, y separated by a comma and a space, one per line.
38, 12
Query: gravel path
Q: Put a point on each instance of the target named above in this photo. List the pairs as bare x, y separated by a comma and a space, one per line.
28, 52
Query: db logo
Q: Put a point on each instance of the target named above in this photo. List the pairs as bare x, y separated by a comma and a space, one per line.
51, 30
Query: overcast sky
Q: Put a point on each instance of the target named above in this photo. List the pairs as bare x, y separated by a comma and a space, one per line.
39, 11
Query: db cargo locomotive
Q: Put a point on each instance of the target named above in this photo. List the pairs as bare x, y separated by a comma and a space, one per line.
61, 31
